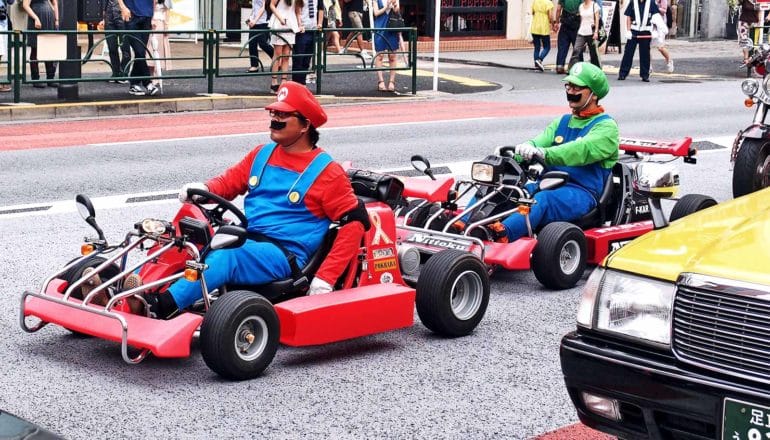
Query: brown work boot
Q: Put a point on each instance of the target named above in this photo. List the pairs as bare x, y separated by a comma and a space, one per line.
90, 284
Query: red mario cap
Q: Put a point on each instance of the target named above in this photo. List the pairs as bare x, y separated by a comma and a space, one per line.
294, 97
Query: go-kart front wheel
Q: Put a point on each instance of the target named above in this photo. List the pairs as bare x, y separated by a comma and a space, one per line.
559, 258
452, 293
239, 335
689, 204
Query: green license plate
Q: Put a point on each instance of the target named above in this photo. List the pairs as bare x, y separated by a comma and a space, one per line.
745, 421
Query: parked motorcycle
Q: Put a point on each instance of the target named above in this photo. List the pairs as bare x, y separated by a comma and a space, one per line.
750, 156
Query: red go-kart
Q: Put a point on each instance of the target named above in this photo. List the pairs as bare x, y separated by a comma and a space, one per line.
558, 253
240, 327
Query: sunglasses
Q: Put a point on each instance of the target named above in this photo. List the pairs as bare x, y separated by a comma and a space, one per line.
284, 115
569, 86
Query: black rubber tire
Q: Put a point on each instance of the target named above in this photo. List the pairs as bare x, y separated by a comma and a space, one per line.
223, 328
548, 256
445, 307
690, 203
752, 167
74, 273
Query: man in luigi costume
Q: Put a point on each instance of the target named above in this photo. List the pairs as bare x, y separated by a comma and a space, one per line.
583, 143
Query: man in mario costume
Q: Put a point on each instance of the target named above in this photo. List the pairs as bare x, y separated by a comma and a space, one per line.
293, 191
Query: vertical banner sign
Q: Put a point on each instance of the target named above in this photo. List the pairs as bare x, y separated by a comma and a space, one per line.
608, 13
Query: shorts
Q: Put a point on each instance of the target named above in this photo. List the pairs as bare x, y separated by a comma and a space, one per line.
744, 37
356, 19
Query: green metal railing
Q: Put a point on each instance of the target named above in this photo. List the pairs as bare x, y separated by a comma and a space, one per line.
210, 57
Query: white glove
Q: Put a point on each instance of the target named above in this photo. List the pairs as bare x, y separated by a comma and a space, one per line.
319, 286
629, 35
528, 151
183, 197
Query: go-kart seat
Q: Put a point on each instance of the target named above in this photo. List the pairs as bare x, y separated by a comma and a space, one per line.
283, 289
598, 215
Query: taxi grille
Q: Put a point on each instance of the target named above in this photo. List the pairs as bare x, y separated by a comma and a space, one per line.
723, 331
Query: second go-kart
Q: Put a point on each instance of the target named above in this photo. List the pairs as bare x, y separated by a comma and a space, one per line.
629, 206
240, 327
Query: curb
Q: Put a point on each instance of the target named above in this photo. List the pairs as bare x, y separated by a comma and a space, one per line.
99, 109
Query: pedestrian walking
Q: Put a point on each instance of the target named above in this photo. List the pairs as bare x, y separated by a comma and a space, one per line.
332, 21
747, 20
138, 17
659, 39
356, 10
540, 28
43, 16
569, 22
257, 23
639, 24
588, 33
385, 41
112, 21
4, 13
311, 18
286, 15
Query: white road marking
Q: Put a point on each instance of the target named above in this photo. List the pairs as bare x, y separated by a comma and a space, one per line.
267, 133
170, 196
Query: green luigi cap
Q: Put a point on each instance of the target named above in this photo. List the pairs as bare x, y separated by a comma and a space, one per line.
587, 75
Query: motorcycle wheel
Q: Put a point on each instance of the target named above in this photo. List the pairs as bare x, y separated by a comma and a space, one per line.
689, 204
752, 167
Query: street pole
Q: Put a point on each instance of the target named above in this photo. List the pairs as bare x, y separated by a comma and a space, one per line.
436, 35
68, 20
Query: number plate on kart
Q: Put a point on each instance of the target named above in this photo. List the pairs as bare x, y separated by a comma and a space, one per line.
745, 421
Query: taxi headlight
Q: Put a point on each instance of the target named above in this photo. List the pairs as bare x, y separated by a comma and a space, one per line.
750, 87
483, 172
152, 226
628, 305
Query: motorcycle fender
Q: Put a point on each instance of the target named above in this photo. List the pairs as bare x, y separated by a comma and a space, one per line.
755, 131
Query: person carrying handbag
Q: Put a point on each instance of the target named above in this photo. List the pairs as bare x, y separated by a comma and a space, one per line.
588, 33
385, 41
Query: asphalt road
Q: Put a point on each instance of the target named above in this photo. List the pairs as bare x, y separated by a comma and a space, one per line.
503, 381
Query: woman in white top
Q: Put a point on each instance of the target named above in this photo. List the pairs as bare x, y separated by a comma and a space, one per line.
588, 33
286, 15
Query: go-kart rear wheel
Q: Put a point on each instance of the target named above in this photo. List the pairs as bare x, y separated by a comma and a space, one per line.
452, 293
689, 204
239, 335
559, 258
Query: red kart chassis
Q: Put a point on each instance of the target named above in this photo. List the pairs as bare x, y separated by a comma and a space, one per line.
380, 302
600, 241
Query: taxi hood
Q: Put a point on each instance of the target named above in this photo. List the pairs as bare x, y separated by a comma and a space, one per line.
730, 240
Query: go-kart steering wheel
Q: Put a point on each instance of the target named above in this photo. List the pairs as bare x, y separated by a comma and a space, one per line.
215, 214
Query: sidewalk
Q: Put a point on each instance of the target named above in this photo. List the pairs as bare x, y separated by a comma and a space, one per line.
100, 98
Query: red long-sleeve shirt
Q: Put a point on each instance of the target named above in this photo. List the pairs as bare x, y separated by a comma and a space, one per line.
330, 196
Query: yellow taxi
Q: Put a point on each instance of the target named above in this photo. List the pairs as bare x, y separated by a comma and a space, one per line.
673, 330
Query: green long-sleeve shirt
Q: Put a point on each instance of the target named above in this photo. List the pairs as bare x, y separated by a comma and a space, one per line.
600, 144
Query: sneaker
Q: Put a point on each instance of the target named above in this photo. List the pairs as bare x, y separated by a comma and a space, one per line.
310, 79
539, 65
670, 66
366, 55
137, 90
152, 89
